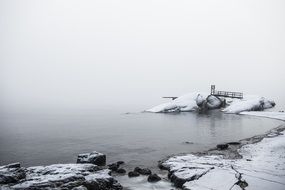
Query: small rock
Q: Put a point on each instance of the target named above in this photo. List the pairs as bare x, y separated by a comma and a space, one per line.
143, 171
113, 167
233, 143
94, 157
222, 146
120, 162
153, 178
133, 174
179, 182
121, 171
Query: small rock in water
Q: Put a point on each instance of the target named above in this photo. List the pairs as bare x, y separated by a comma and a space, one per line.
233, 143
153, 178
222, 146
188, 142
94, 157
113, 167
143, 171
120, 162
121, 171
133, 174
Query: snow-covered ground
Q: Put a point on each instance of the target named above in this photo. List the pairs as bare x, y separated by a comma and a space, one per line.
262, 167
273, 115
191, 102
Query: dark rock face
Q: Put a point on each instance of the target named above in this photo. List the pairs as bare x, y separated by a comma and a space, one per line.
153, 178
133, 174
222, 146
11, 173
94, 157
58, 176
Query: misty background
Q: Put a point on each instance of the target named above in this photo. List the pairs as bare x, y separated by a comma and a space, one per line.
128, 54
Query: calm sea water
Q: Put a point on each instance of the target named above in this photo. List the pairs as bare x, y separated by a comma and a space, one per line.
140, 139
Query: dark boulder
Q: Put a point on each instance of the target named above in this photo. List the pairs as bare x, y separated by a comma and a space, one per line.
222, 146
113, 167
94, 157
133, 174
121, 171
120, 163
153, 178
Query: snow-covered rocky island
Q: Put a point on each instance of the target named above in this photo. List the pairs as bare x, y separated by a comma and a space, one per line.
201, 101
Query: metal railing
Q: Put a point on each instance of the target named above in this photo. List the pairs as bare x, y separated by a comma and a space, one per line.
228, 94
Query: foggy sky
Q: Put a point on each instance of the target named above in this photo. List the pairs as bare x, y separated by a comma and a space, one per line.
76, 54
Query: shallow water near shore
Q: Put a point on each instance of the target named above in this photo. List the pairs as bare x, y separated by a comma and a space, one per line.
139, 139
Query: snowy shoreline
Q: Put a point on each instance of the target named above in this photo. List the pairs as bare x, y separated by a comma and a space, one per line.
253, 163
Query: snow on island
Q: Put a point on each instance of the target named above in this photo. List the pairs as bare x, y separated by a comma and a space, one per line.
261, 166
195, 101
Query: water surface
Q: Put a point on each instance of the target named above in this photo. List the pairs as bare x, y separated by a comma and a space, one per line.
136, 138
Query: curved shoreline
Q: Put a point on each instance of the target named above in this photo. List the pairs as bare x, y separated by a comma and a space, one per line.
186, 169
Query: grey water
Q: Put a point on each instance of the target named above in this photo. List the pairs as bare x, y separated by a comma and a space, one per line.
139, 139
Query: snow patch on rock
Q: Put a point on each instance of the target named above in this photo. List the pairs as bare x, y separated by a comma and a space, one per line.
64, 176
249, 103
183, 103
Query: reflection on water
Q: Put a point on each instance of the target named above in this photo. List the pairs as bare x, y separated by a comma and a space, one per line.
139, 139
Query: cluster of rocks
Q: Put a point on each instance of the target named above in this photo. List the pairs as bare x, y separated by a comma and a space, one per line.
115, 167
90, 172
87, 173
144, 171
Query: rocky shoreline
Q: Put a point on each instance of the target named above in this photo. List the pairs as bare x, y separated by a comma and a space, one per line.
225, 166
